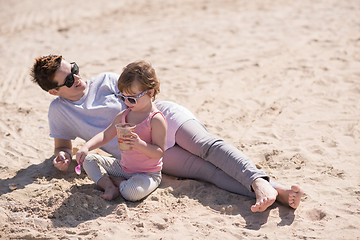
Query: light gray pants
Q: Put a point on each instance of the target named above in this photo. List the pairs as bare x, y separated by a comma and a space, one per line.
136, 187
199, 155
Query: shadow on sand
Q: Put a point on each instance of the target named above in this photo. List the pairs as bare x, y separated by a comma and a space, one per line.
82, 202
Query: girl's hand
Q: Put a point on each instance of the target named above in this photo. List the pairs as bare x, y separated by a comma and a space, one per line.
133, 140
81, 154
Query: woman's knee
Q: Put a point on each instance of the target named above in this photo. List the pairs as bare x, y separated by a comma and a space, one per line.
193, 137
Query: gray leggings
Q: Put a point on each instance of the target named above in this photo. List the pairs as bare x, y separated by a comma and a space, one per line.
199, 155
136, 187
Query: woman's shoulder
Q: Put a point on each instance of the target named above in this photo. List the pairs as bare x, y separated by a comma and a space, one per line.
105, 77
57, 103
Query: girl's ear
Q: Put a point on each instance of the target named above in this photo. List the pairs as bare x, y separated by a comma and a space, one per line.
151, 92
53, 92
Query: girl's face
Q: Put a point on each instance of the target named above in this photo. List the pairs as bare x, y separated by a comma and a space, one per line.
143, 99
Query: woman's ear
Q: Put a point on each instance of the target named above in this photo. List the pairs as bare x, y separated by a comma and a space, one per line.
53, 92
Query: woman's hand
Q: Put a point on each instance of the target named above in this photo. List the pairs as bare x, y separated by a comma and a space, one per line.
62, 161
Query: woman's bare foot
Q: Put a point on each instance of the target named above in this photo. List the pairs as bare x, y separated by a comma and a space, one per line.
265, 195
111, 191
290, 196
117, 180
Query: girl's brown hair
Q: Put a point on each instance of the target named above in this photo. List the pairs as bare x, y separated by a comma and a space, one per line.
142, 72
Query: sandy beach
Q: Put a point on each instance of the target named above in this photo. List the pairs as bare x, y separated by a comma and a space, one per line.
279, 80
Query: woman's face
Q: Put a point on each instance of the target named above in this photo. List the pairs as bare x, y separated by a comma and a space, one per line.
76, 91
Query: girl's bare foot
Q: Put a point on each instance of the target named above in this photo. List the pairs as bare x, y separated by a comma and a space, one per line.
117, 180
290, 196
265, 195
111, 191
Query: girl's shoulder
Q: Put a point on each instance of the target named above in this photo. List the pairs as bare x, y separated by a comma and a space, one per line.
119, 116
157, 118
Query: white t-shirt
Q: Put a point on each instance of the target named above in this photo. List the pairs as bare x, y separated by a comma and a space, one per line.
97, 109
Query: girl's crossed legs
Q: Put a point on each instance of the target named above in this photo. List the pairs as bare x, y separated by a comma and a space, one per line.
136, 187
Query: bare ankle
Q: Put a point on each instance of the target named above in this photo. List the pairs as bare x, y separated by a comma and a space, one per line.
290, 196
265, 195
117, 180
111, 191
105, 183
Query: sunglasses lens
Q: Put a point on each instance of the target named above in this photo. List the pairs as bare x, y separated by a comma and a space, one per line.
75, 69
132, 100
69, 81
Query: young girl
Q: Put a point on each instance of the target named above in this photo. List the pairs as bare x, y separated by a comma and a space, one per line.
138, 173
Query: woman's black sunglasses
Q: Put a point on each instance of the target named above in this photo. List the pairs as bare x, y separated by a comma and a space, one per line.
69, 80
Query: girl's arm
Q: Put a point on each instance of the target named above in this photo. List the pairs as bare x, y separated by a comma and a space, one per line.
98, 140
158, 135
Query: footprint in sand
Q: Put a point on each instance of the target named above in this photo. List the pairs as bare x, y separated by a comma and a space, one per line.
316, 214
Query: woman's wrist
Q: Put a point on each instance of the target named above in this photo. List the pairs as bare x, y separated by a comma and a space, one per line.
65, 151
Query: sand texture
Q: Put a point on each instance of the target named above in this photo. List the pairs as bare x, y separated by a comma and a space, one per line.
279, 80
